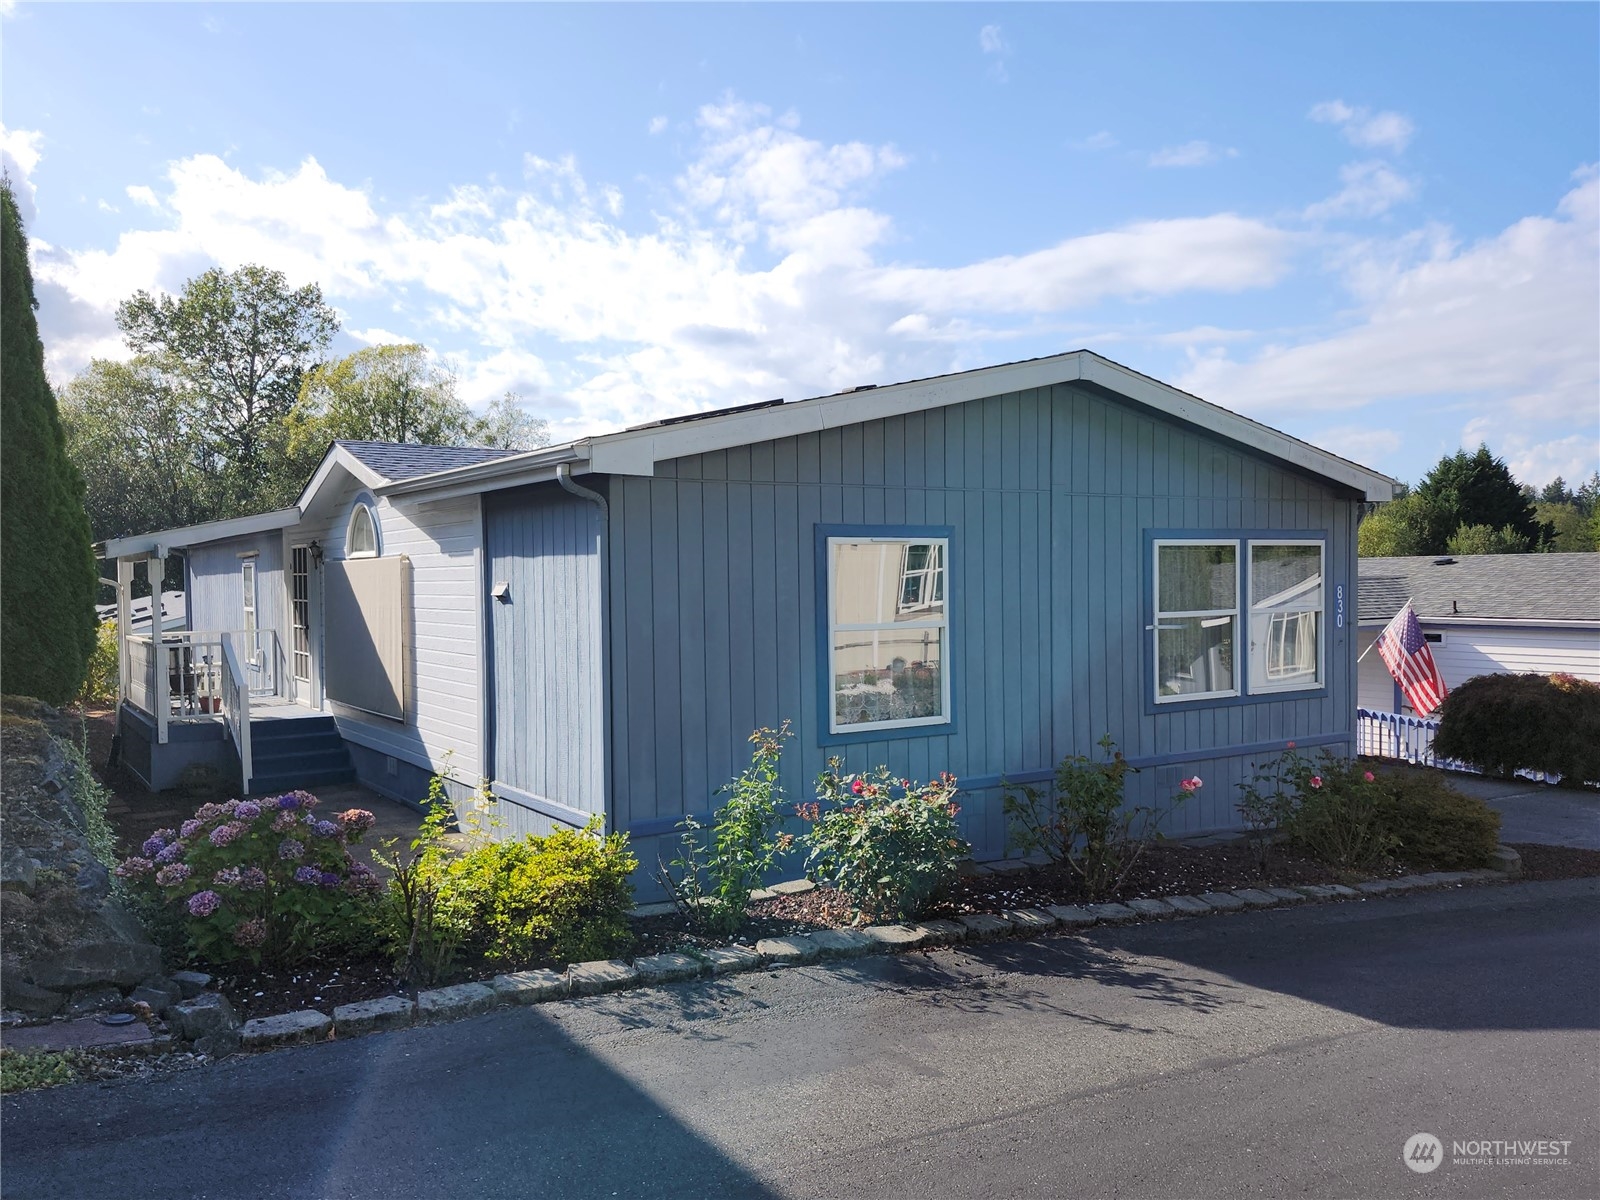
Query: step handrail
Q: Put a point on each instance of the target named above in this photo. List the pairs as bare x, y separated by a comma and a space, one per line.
236, 707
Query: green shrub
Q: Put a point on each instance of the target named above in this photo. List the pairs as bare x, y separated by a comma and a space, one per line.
1504, 723
712, 884
1430, 822
1083, 822
1337, 814
564, 897
22, 1071
892, 846
100, 680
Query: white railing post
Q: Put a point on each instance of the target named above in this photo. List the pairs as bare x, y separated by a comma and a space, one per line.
236, 707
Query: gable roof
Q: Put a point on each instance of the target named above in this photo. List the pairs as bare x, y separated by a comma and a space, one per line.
1482, 588
635, 451
394, 461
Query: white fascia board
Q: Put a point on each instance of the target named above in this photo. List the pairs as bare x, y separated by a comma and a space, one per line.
338, 456
144, 544
533, 466
1488, 622
635, 452
1169, 400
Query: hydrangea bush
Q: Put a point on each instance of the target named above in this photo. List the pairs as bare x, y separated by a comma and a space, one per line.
264, 880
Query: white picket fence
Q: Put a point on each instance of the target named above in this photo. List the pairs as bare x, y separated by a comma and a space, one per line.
1410, 739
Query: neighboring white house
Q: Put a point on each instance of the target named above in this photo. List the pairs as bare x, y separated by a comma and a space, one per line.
1483, 614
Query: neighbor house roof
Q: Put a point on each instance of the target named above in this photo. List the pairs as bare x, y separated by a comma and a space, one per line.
1531, 588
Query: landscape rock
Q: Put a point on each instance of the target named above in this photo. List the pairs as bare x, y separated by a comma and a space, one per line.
1111, 914
727, 960
1071, 915
28, 998
1287, 895
1030, 920
984, 926
1147, 907
1255, 897
19, 871
460, 1000
93, 1000
787, 950
1506, 861
793, 887
942, 931
840, 943
203, 1015
529, 987
109, 948
371, 1016
285, 1029
1222, 900
1190, 906
191, 983
160, 994
593, 978
220, 1044
896, 937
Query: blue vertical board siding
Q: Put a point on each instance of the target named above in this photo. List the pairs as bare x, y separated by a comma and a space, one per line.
216, 585
1050, 494
545, 653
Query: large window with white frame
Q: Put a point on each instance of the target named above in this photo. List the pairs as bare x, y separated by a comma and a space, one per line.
888, 633
1196, 619
1237, 616
1286, 602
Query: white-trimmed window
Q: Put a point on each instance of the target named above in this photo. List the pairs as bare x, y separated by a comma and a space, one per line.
1286, 602
1196, 619
361, 535
888, 633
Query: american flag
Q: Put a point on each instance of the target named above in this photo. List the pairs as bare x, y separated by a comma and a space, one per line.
1405, 652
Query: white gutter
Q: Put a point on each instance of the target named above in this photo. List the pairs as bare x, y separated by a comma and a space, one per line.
533, 466
1464, 619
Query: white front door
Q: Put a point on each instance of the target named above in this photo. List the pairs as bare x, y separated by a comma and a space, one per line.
300, 623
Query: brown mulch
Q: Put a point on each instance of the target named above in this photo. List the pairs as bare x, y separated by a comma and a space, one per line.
1556, 862
319, 985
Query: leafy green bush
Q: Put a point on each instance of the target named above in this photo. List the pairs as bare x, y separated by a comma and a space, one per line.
1337, 816
1430, 822
713, 882
266, 880
22, 1071
1504, 723
892, 846
1083, 822
1267, 801
100, 680
564, 897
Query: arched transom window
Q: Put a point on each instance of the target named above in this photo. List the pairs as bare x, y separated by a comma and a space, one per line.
361, 538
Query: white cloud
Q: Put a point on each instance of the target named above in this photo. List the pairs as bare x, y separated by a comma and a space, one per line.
1104, 140
658, 125
1370, 189
1506, 328
1191, 154
762, 271
1364, 444
992, 41
1574, 458
1362, 127
20, 151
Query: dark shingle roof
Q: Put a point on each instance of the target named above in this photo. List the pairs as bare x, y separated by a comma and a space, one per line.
396, 461
1514, 587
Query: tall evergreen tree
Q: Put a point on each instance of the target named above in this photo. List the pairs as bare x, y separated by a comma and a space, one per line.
47, 570
1478, 489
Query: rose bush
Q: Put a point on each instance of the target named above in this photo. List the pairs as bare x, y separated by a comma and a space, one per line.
264, 880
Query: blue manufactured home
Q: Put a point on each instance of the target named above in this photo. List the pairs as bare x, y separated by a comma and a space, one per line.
980, 573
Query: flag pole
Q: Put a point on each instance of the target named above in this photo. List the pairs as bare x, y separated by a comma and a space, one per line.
1374, 641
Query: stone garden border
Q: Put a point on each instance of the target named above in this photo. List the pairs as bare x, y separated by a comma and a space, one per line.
595, 978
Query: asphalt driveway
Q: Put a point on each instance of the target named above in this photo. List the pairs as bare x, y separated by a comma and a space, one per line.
1270, 1053
1536, 812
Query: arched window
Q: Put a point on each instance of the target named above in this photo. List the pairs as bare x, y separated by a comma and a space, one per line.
361, 537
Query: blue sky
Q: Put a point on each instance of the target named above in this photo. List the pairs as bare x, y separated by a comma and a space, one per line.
1372, 226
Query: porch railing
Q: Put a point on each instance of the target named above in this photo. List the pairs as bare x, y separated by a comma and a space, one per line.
1410, 739
235, 686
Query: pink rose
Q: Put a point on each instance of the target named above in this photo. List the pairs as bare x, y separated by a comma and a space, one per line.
1369, 777
1316, 781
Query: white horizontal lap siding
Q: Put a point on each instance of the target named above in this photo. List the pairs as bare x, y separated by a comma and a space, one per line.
1484, 650
443, 705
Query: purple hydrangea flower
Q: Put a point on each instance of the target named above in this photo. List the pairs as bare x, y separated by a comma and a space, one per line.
189, 828
307, 800
173, 874
289, 801
229, 808
227, 877
153, 845
135, 868
308, 875
252, 879
283, 822
208, 812
248, 810
329, 880
171, 854
250, 933
356, 820
225, 833
325, 829
290, 850
203, 904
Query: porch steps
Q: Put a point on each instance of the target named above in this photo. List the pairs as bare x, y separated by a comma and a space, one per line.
305, 752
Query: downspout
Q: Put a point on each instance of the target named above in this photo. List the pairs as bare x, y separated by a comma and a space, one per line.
564, 478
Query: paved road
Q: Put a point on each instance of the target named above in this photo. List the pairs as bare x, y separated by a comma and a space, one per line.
1281, 1053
